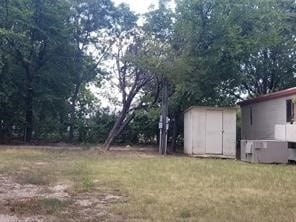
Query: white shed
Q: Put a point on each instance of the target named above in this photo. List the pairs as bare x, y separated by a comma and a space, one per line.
210, 131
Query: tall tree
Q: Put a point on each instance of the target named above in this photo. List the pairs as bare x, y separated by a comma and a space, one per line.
236, 47
92, 22
33, 34
132, 81
164, 60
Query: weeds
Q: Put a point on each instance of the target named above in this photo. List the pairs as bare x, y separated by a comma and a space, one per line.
185, 213
42, 206
34, 177
87, 183
53, 205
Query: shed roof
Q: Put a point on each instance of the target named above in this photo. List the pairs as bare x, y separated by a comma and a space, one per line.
270, 96
211, 108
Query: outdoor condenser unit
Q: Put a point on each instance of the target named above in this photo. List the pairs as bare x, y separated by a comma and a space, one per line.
264, 151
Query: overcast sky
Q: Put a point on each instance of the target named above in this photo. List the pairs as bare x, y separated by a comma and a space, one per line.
139, 6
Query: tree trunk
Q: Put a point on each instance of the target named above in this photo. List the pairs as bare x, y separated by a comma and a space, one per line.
71, 124
112, 134
121, 122
29, 117
72, 114
174, 133
115, 131
61, 127
29, 107
2, 131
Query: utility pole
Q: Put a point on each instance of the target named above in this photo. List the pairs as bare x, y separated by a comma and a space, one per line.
164, 120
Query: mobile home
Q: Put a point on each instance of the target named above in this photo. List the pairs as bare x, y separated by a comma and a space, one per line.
267, 119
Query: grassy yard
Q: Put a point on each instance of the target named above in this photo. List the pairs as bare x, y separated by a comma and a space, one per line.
147, 187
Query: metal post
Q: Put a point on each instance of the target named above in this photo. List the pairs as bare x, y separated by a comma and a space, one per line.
167, 121
160, 134
163, 118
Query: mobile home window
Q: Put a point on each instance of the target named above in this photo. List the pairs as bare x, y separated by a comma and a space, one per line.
290, 111
251, 115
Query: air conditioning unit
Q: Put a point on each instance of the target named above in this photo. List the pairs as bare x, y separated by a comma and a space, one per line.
264, 151
292, 155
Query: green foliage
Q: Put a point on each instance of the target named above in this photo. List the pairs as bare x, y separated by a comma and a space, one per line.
49, 52
143, 129
237, 47
145, 125
97, 127
213, 52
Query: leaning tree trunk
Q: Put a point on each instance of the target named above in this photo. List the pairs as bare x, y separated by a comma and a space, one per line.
112, 134
121, 122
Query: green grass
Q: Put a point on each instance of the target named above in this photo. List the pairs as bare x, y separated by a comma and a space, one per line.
171, 188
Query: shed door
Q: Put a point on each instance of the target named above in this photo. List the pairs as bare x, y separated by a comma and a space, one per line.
199, 131
214, 132
229, 132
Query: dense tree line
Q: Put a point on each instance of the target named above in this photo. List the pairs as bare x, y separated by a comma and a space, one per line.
210, 52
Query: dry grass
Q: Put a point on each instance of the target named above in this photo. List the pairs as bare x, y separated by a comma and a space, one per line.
42, 206
165, 189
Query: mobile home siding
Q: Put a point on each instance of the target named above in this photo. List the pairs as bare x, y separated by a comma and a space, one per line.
265, 115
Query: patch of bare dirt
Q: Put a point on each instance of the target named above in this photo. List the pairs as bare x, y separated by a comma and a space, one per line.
142, 149
41, 163
8, 218
43, 147
33, 203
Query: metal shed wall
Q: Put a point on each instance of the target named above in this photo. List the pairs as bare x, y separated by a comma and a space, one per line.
187, 133
210, 130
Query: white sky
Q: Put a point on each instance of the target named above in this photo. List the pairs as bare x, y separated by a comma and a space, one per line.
138, 6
